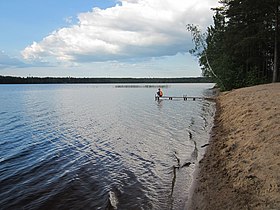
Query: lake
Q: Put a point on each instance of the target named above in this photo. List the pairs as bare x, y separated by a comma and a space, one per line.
87, 146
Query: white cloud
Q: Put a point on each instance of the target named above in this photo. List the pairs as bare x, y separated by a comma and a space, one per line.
133, 29
8, 62
69, 20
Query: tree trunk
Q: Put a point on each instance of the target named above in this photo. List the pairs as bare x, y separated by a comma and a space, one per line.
275, 68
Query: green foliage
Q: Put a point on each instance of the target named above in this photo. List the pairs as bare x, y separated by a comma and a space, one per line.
238, 50
71, 80
201, 51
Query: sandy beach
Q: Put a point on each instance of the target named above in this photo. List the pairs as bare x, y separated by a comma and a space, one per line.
241, 167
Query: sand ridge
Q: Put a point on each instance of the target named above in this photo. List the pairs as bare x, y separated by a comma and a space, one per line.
241, 168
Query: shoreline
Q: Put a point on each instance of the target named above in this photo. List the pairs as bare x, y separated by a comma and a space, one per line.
241, 166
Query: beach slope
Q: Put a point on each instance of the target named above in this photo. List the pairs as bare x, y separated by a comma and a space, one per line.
241, 167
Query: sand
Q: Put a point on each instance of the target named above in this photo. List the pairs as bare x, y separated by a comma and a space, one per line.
241, 167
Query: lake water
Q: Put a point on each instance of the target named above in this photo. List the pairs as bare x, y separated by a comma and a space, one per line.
88, 146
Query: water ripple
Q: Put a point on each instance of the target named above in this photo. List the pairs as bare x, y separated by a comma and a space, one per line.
98, 147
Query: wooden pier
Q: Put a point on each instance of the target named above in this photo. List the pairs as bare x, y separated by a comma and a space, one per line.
185, 98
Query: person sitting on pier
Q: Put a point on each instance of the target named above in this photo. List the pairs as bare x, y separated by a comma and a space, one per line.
160, 93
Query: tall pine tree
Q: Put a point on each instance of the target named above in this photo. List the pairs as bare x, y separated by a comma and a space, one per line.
242, 45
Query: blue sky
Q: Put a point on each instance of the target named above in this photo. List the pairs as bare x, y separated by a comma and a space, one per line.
100, 38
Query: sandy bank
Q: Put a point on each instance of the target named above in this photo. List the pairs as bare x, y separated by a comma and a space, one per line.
241, 168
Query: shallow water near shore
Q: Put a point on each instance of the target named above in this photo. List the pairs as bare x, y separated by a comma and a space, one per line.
88, 146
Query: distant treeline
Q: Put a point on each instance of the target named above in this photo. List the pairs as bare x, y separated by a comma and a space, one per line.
71, 80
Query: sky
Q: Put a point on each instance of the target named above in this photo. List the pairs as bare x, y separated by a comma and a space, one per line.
100, 38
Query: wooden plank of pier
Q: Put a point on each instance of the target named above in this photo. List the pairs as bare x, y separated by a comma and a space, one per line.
185, 98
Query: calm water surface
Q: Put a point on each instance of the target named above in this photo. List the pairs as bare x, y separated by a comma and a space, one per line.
100, 146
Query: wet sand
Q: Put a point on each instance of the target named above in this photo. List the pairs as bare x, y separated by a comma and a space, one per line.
241, 167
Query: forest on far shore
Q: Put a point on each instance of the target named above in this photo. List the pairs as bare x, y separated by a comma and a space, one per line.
71, 80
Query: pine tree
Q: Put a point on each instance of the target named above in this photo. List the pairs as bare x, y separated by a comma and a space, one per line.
242, 45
